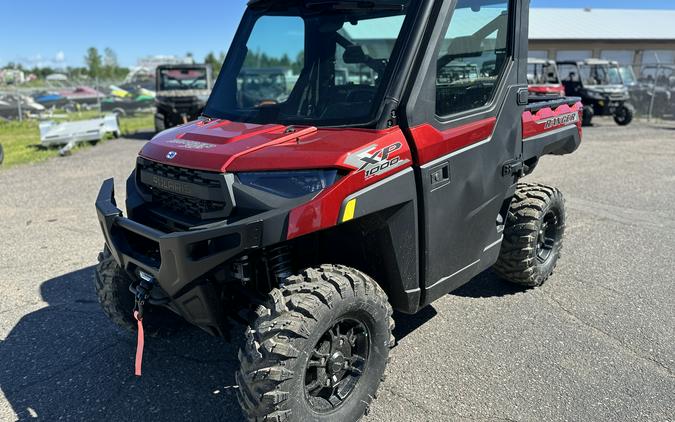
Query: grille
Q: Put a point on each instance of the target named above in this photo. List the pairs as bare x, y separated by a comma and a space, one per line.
197, 177
185, 205
186, 104
194, 208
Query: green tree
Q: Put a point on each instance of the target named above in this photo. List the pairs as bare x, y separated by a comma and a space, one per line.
93, 61
110, 65
214, 62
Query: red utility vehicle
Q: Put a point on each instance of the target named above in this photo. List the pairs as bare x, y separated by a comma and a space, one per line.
543, 78
387, 177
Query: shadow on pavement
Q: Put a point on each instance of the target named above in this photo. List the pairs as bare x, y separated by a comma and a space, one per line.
67, 361
406, 323
487, 284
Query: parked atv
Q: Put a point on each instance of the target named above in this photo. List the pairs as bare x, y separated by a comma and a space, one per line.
599, 84
310, 219
654, 92
182, 91
543, 79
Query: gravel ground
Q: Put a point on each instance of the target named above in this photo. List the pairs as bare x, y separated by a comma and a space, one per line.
597, 342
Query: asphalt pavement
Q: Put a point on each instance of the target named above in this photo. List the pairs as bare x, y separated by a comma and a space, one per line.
595, 343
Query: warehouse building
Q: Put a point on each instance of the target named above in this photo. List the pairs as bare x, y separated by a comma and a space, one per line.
631, 37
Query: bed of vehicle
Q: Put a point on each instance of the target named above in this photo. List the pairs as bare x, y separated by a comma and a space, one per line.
543, 78
309, 218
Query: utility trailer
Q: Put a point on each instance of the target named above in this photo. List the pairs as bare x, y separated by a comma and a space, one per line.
310, 218
69, 134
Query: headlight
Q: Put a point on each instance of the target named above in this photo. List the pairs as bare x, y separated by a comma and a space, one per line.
289, 184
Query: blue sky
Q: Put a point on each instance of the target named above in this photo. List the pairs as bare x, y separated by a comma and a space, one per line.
57, 33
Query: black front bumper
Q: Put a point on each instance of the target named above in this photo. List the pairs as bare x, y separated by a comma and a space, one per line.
177, 260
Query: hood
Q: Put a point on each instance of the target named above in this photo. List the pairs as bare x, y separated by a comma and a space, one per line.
222, 145
608, 89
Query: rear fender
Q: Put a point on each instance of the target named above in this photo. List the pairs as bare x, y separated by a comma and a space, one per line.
550, 130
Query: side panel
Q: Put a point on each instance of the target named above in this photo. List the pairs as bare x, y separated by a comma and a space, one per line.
462, 232
459, 161
387, 213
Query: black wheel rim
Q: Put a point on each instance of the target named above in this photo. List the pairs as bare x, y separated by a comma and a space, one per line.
547, 237
336, 365
620, 114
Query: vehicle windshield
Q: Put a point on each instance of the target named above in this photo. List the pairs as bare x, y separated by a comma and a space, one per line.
318, 62
627, 75
542, 74
600, 74
183, 79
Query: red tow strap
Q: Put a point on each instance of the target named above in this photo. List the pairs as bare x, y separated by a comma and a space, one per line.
139, 345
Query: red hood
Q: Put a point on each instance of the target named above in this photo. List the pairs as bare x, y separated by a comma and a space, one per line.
222, 145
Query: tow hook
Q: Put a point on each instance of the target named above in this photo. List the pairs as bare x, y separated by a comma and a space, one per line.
143, 292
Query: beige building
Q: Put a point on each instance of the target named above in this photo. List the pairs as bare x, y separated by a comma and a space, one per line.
638, 37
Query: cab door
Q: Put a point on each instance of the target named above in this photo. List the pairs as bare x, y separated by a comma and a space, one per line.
463, 119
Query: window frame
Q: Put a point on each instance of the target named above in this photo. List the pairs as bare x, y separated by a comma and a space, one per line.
391, 78
500, 86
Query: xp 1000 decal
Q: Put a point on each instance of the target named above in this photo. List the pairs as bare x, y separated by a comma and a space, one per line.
372, 161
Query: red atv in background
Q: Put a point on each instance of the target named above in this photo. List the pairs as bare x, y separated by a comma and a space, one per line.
543, 78
385, 177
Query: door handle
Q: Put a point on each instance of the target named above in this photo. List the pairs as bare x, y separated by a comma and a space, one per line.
439, 176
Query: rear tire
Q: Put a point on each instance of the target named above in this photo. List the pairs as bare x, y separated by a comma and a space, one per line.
327, 325
112, 289
587, 115
533, 235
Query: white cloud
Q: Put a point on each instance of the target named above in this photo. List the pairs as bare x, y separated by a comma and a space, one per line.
58, 60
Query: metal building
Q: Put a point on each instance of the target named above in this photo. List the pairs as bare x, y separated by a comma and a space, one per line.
631, 37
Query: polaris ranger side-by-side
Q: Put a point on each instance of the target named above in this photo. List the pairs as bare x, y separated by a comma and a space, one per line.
310, 217
600, 86
543, 79
182, 91
654, 91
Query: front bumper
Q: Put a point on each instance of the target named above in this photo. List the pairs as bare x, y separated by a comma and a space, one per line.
176, 260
